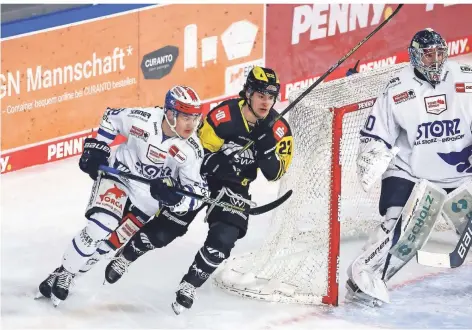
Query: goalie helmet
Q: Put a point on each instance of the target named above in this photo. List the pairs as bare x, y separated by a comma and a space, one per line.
183, 100
428, 52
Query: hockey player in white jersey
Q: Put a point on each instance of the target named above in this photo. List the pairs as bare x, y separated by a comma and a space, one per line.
418, 139
161, 146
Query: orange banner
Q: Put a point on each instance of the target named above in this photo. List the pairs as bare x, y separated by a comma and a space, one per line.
59, 82
215, 43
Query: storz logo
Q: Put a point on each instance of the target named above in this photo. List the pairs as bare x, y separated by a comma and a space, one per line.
435, 104
159, 63
438, 131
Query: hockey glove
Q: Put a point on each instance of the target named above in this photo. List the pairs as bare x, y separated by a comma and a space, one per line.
162, 190
95, 153
217, 164
264, 140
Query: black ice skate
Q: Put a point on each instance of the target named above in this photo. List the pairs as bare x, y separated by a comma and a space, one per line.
355, 295
46, 285
61, 285
116, 268
185, 297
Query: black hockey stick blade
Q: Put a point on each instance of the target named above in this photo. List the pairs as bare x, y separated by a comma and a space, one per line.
272, 205
327, 73
205, 199
449, 260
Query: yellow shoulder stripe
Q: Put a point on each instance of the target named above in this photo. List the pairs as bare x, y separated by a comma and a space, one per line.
210, 140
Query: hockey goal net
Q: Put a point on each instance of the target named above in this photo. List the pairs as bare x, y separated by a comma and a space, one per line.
299, 261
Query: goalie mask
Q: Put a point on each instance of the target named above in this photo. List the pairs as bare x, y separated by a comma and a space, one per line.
183, 102
261, 80
428, 52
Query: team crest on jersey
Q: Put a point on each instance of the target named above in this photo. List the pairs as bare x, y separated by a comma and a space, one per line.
435, 104
464, 87
177, 154
139, 133
156, 155
405, 96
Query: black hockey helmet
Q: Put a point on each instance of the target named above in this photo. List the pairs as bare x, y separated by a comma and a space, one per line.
428, 43
262, 80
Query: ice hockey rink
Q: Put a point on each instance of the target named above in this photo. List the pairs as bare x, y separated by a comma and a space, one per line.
42, 209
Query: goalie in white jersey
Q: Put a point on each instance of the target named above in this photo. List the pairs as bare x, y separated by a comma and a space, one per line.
161, 146
418, 139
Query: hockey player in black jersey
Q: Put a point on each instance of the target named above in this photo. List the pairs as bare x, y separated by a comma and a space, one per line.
225, 130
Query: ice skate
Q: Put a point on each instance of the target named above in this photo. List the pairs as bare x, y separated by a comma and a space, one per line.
185, 297
116, 268
46, 285
61, 285
355, 295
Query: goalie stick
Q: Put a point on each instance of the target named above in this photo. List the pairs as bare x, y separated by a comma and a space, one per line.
320, 79
251, 211
449, 260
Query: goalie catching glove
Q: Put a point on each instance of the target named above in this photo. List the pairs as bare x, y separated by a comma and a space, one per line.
372, 161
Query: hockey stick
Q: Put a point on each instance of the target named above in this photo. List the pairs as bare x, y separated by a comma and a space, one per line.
320, 79
251, 211
453, 259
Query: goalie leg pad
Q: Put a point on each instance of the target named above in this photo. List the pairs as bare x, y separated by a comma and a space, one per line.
457, 210
396, 241
458, 206
366, 270
419, 215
